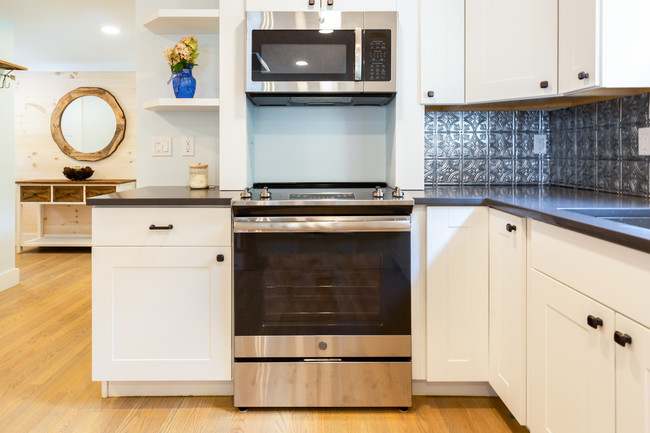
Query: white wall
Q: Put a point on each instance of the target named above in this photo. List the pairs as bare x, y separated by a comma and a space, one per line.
8, 272
152, 73
320, 144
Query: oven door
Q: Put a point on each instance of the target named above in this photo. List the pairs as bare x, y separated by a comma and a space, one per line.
316, 276
304, 52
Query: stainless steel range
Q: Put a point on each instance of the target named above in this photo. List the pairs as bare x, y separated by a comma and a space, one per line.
322, 296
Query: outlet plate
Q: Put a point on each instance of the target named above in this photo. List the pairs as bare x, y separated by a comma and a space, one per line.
188, 146
539, 144
161, 146
644, 141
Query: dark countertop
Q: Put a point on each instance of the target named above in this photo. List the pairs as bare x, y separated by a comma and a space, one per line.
165, 196
546, 204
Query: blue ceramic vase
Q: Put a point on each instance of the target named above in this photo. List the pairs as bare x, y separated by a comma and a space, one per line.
184, 83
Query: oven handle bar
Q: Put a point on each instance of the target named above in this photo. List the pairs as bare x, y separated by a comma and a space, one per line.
319, 224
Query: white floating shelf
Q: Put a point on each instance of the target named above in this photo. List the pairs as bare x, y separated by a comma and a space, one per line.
174, 104
190, 21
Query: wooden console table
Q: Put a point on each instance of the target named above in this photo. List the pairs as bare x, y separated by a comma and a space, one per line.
58, 192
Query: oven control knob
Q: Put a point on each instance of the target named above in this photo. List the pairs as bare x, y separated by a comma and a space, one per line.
322, 345
246, 193
397, 192
265, 194
378, 193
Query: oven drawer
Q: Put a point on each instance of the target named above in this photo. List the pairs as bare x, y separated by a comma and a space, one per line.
322, 384
157, 226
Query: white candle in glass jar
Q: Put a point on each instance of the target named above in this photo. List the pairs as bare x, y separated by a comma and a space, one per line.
199, 176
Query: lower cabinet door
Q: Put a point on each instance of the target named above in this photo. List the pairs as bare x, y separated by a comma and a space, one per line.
632, 377
570, 360
457, 294
161, 313
507, 360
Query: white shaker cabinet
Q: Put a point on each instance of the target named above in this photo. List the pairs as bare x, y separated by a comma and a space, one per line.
511, 49
457, 294
507, 311
442, 52
571, 363
602, 44
161, 294
632, 377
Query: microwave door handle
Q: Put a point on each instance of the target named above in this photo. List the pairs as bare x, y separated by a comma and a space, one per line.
262, 62
357, 54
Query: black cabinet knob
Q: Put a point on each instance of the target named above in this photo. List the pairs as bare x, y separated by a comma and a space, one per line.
312, 2
430, 93
583, 75
622, 339
594, 322
511, 227
330, 2
220, 258
543, 84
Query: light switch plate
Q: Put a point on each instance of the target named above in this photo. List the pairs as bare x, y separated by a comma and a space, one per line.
188, 146
644, 141
161, 146
539, 144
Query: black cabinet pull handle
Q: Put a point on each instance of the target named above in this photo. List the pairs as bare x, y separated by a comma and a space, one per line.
543, 84
594, 322
430, 93
583, 75
220, 258
511, 227
622, 339
155, 227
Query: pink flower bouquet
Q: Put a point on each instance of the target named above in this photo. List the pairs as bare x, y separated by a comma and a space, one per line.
183, 55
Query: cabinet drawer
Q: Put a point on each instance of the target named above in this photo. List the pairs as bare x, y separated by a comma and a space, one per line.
68, 193
609, 273
125, 226
94, 191
34, 193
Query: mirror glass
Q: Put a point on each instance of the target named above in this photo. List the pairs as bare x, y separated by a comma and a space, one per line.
88, 124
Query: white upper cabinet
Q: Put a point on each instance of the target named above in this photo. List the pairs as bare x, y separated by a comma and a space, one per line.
511, 49
442, 52
331, 5
603, 43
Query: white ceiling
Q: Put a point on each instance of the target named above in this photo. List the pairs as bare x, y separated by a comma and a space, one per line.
64, 35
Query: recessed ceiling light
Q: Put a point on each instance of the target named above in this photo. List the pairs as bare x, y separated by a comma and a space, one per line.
110, 30
301, 63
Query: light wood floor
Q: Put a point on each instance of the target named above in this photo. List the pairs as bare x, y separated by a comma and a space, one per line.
45, 371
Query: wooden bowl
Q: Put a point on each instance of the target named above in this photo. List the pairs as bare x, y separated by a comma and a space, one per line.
78, 173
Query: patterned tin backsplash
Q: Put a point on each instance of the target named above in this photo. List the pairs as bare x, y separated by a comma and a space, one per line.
595, 146
484, 148
592, 146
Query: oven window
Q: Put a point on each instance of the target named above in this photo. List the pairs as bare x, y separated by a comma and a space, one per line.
322, 289
322, 284
302, 55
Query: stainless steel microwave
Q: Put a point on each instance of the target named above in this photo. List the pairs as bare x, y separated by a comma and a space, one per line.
321, 58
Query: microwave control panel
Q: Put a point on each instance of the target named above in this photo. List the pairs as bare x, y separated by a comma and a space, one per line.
376, 58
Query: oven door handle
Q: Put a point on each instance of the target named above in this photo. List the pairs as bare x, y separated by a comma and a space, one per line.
321, 224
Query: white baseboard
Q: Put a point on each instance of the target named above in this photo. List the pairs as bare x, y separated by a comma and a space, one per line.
474, 389
9, 278
156, 389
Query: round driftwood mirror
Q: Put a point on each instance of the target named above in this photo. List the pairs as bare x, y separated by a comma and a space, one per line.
88, 124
